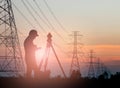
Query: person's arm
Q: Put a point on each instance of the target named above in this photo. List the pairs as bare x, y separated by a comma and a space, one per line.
36, 48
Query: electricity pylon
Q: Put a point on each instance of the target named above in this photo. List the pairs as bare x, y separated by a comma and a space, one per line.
102, 69
91, 71
75, 59
11, 61
47, 52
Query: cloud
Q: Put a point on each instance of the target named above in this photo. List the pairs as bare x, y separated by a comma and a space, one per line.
105, 52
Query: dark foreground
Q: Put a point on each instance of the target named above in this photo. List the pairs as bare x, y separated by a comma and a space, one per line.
59, 83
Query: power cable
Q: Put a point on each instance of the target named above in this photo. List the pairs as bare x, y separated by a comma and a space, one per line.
23, 15
60, 49
54, 16
32, 15
47, 20
37, 13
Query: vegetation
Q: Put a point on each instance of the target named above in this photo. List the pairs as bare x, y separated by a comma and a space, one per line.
75, 81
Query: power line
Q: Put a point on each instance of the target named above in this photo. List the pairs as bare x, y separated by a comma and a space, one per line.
54, 16
35, 18
37, 13
60, 48
23, 15
29, 21
24, 18
32, 15
43, 13
47, 20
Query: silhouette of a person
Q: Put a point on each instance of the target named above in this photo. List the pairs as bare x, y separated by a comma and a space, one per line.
30, 50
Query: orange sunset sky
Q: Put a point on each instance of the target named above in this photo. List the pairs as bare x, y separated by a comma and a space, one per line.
98, 21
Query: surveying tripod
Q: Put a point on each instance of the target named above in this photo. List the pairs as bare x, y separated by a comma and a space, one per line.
47, 51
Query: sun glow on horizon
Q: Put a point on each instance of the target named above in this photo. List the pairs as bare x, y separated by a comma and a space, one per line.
39, 55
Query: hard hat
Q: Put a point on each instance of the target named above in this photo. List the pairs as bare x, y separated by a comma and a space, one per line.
33, 32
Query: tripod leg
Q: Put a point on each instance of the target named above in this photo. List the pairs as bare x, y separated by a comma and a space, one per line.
40, 65
58, 61
46, 61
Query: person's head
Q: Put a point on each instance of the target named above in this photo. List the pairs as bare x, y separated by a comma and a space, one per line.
33, 33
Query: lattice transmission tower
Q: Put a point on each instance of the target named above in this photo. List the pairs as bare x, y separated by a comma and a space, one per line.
97, 68
91, 69
11, 61
75, 66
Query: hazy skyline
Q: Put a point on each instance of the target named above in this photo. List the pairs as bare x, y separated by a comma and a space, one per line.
98, 22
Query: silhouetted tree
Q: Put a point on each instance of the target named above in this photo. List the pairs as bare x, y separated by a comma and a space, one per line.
75, 74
